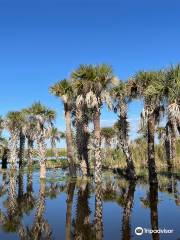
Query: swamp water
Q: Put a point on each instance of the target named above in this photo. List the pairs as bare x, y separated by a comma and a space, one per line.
60, 208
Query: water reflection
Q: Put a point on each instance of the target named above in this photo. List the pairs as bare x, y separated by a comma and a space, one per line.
98, 213
70, 195
82, 223
40, 229
128, 205
25, 207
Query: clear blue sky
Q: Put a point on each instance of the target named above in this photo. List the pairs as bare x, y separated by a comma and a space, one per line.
43, 41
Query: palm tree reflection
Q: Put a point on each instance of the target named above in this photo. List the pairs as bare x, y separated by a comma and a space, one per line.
98, 221
82, 224
69, 201
40, 228
128, 205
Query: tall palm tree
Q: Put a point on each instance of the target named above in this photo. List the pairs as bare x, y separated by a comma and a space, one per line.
63, 89
22, 138
43, 118
30, 134
151, 113
13, 123
92, 84
55, 136
81, 116
167, 89
121, 98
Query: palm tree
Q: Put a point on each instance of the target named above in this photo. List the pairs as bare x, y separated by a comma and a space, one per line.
55, 136
92, 85
81, 116
13, 123
64, 90
151, 113
30, 134
43, 119
168, 91
22, 138
122, 97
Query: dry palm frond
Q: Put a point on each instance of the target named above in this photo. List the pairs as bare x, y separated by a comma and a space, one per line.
91, 100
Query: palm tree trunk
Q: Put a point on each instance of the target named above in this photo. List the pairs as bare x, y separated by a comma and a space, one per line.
53, 149
69, 142
151, 149
69, 201
85, 147
21, 149
42, 154
5, 158
172, 141
123, 128
30, 152
82, 138
126, 226
97, 146
98, 213
13, 149
167, 144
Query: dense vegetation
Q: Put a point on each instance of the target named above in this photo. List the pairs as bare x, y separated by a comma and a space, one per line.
88, 89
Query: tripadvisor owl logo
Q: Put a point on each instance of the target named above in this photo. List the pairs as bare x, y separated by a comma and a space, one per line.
139, 231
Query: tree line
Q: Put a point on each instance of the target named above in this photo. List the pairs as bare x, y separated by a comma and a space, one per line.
88, 89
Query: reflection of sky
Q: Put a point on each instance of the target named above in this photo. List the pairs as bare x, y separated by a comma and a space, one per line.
41, 43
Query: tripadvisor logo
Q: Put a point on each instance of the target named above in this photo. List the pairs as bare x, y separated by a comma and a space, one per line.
139, 231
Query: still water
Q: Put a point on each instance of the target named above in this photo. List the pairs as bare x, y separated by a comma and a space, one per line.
60, 208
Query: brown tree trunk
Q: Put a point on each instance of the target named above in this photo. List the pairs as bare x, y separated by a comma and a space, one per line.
42, 154
21, 149
97, 146
123, 137
151, 149
30, 153
69, 142
69, 201
82, 138
167, 144
172, 141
